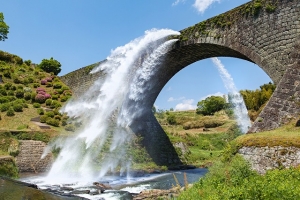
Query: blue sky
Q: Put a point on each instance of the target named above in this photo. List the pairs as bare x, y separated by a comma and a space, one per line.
78, 33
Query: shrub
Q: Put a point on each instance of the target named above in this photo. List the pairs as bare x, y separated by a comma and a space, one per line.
49, 84
40, 89
4, 100
70, 127
67, 93
11, 98
48, 79
27, 89
43, 82
18, 107
57, 117
50, 114
54, 97
8, 86
40, 98
63, 122
57, 85
27, 95
36, 105
13, 87
52, 122
10, 112
65, 88
47, 96
10, 93
59, 91
33, 95
55, 104
3, 92
4, 107
7, 74
64, 98
20, 94
40, 111
17, 80
35, 85
48, 102
171, 119
43, 119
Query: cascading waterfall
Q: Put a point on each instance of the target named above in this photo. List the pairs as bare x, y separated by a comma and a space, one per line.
235, 98
99, 146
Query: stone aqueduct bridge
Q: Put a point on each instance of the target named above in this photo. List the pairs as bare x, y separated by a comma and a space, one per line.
265, 32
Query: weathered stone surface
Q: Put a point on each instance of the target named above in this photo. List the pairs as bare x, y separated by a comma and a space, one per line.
29, 158
265, 158
269, 39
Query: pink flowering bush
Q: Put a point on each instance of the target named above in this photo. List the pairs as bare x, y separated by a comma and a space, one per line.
48, 79
43, 82
39, 89
40, 98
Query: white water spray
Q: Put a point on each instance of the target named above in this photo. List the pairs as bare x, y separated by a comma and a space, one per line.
239, 108
104, 112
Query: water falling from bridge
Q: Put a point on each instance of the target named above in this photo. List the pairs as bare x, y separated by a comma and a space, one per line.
100, 145
235, 98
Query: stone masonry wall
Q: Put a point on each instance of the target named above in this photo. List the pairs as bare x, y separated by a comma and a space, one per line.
29, 158
266, 158
81, 80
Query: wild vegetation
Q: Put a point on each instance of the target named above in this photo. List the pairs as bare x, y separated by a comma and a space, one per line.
232, 178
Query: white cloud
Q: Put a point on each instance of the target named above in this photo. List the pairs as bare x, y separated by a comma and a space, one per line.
202, 5
215, 94
177, 2
174, 99
186, 104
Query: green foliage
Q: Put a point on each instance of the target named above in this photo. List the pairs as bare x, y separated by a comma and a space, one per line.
27, 95
235, 180
55, 104
4, 28
171, 119
70, 127
270, 8
44, 137
50, 114
10, 112
43, 118
36, 105
256, 99
53, 122
211, 105
4, 107
50, 65
40, 111
48, 102
8, 168
18, 107
19, 93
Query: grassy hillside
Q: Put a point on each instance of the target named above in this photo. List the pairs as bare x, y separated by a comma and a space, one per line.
203, 137
26, 92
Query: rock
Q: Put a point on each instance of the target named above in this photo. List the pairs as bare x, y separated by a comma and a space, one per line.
67, 188
80, 192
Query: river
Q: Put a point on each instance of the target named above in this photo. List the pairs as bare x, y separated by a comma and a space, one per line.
122, 188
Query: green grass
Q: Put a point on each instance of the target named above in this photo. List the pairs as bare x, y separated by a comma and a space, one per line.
285, 136
204, 147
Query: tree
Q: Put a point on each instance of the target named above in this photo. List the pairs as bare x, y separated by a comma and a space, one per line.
3, 28
211, 105
50, 66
